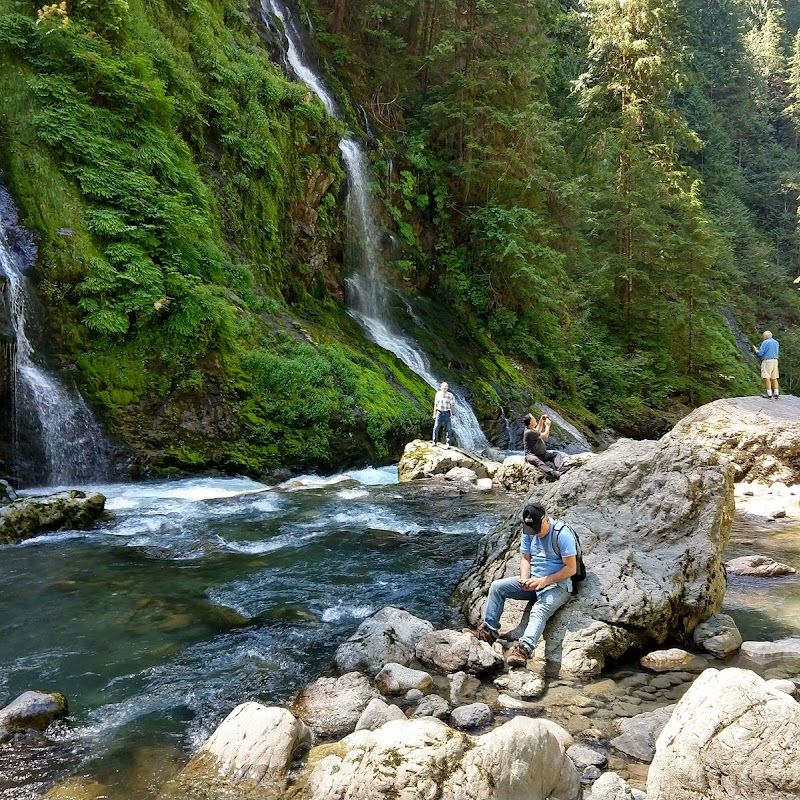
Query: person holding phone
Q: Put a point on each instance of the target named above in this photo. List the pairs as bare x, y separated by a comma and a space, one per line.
551, 462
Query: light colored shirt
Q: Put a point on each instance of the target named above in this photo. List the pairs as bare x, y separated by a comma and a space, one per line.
544, 559
769, 349
444, 401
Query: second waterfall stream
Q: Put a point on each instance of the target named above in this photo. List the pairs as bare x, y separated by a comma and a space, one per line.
366, 291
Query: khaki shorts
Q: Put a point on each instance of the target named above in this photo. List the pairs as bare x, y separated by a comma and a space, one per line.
769, 368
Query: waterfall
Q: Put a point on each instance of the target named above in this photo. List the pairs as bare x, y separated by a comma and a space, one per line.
366, 292
46, 422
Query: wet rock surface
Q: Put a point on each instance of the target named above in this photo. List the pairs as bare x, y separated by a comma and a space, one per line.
718, 635
32, 516
758, 566
333, 706
422, 459
31, 711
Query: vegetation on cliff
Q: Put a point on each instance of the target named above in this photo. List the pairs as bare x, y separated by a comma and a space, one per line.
598, 192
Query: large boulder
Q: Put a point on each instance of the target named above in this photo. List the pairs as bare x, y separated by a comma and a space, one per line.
251, 751
778, 650
730, 736
762, 437
653, 519
521, 760
31, 711
333, 706
71, 510
389, 635
516, 475
424, 460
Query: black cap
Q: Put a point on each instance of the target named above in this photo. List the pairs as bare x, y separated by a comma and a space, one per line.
532, 516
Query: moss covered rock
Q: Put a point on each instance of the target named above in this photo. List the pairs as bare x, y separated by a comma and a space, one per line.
71, 510
31, 711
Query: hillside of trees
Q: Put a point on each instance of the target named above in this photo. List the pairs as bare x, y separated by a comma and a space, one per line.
601, 197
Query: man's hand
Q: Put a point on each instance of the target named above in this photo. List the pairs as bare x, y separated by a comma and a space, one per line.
533, 584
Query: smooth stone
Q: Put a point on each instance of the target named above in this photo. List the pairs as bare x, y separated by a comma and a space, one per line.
583, 757
610, 786
521, 683
77, 788
461, 686
432, 706
454, 651
378, 713
604, 687
673, 659
484, 484
397, 679
413, 696
590, 774
578, 724
31, 711
509, 703
781, 648
640, 733
333, 706
474, 715
758, 566
661, 682
625, 709
783, 685
462, 474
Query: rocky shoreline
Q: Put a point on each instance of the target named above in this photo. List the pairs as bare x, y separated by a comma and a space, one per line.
410, 711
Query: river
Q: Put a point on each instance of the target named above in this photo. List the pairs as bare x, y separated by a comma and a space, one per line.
202, 593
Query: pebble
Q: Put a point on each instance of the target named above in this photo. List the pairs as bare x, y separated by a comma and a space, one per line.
583, 757
475, 715
509, 703
661, 682
625, 709
414, 695
644, 694
590, 775
637, 679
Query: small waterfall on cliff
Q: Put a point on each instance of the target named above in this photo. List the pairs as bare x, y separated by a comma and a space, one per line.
45, 422
366, 295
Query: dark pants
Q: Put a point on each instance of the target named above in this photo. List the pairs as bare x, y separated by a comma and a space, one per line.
443, 418
551, 463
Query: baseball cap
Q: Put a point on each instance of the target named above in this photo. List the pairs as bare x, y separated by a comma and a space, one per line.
532, 516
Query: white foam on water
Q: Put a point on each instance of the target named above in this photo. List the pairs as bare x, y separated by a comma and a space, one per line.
281, 542
352, 494
375, 476
344, 611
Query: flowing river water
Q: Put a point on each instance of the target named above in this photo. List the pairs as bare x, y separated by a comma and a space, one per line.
202, 593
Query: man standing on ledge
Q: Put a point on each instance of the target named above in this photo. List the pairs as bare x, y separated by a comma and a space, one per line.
545, 572
768, 353
444, 412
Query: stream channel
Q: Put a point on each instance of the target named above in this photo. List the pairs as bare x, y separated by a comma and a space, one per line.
202, 593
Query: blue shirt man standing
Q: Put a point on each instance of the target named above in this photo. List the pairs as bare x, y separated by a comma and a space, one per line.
769, 353
545, 577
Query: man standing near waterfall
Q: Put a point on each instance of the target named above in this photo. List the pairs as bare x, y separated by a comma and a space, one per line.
548, 560
444, 412
768, 353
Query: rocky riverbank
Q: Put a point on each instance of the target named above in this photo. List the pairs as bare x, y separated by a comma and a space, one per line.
25, 518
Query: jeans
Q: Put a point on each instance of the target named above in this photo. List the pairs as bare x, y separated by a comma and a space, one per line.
547, 603
443, 418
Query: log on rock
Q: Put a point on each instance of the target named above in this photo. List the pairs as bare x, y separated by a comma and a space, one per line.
654, 518
72, 510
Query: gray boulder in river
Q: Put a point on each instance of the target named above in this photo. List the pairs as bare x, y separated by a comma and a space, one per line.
654, 518
730, 736
71, 510
31, 711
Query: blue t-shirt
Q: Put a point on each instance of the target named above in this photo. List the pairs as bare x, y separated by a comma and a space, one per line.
544, 559
769, 349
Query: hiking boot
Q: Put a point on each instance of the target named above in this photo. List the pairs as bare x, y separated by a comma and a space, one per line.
558, 461
767, 396
485, 634
775, 396
519, 655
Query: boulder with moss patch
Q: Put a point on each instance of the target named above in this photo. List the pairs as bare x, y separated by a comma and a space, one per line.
71, 510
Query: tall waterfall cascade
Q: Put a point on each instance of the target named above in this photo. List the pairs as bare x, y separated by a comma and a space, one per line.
53, 436
367, 296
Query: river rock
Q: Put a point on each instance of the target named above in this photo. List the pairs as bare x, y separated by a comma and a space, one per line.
397, 679
388, 636
77, 788
421, 758
640, 733
31, 516
474, 715
758, 566
654, 519
771, 651
461, 686
378, 713
731, 736
582, 757
522, 683
783, 685
516, 475
762, 438
31, 711
718, 635
673, 660
610, 786
333, 706
454, 651
432, 706
251, 750
424, 460
462, 474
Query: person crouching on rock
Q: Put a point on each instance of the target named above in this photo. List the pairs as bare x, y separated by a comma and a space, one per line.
551, 462
444, 412
544, 578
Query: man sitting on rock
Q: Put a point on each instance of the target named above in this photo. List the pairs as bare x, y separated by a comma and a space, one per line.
545, 573
551, 462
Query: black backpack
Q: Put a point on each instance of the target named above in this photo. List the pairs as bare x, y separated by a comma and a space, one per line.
580, 574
